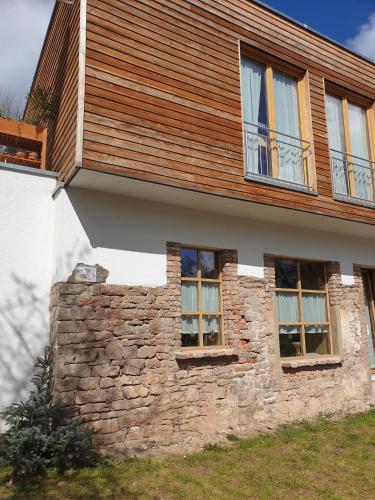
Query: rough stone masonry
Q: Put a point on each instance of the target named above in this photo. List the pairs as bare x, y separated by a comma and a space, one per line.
119, 363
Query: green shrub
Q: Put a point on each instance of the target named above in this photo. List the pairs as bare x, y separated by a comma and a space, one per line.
38, 436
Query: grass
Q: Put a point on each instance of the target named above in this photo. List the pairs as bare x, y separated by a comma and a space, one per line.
324, 459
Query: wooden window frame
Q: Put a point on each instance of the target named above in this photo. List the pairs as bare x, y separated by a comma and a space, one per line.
199, 313
347, 96
300, 291
272, 63
368, 280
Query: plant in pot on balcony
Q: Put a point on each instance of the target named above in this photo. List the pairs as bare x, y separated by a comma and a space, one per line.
33, 155
41, 106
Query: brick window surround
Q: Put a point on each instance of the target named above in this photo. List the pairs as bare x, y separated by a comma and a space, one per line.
233, 304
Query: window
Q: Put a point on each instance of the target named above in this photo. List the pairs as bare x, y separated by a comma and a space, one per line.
303, 313
274, 123
368, 276
349, 142
201, 298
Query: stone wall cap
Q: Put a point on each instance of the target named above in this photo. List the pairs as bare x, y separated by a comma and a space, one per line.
205, 353
311, 361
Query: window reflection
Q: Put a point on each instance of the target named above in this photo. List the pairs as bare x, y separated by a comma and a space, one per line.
286, 273
209, 264
312, 276
189, 262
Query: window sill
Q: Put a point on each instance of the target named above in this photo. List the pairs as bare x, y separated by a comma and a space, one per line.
307, 362
354, 201
271, 181
205, 353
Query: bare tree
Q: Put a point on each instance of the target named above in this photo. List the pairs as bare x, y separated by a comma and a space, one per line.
10, 105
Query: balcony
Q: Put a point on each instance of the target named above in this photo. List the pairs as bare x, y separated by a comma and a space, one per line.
22, 144
278, 159
353, 178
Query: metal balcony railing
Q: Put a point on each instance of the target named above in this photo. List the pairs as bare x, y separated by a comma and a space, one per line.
274, 155
353, 176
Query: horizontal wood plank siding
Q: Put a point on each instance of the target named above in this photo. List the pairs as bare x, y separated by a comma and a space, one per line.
58, 73
163, 98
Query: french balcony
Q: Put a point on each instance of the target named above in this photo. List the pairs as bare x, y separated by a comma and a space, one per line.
22, 144
353, 178
278, 159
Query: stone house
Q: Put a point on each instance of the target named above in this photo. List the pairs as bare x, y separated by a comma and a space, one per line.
199, 247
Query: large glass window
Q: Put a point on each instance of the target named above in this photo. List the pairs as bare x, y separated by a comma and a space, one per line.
273, 132
348, 133
302, 302
201, 301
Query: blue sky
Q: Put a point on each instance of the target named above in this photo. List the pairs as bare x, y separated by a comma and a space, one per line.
337, 19
24, 24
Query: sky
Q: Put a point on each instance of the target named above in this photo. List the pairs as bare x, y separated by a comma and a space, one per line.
25, 22
350, 22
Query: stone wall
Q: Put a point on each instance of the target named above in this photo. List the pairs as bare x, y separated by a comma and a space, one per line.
119, 363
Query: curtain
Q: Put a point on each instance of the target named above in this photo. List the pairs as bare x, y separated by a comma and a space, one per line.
287, 307
314, 308
289, 330
252, 81
336, 137
189, 297
189, 324
360, 147
290, 156
210, 324
210, 297
316, 329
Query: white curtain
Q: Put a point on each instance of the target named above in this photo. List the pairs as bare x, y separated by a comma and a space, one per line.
314, 308
311, 329
287, 307
210, 324
289, 330
189, 297
290, 156
210, 298
252, 80
360, 147
189, 324
336, 137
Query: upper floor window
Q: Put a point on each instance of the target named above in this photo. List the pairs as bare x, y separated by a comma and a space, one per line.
201, 298
350, 148
275, 145
303, 308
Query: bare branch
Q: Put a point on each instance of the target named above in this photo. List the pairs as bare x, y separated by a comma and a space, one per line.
10, 105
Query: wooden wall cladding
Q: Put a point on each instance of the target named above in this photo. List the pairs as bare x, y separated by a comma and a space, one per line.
163, 99
57, 72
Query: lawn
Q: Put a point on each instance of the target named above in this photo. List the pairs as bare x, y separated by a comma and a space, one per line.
324, 459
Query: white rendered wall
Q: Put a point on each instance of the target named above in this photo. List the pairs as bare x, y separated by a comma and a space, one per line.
26, 218
128, 237
42, 239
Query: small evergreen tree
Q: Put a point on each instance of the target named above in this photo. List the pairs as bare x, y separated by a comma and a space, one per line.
38, 437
